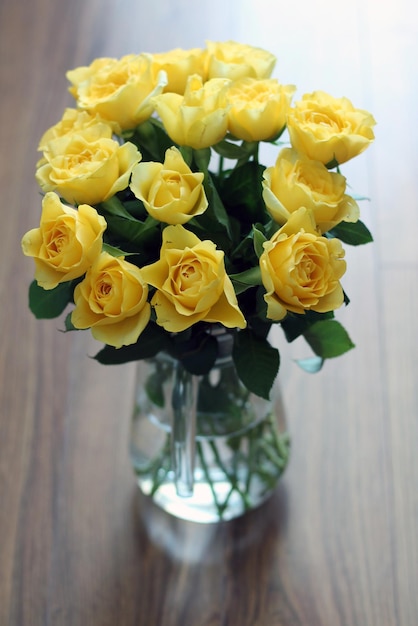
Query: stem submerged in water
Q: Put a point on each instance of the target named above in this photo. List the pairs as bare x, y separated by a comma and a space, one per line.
227, 433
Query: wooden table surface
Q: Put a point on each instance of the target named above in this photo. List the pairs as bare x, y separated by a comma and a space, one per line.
337, 545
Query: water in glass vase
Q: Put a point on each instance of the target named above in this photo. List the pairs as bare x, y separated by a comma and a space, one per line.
203, 447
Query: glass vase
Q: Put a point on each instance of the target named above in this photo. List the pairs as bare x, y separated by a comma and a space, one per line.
204, 448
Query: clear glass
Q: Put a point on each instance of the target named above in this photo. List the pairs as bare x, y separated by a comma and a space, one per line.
204, 447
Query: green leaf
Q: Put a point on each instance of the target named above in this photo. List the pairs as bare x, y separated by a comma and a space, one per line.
116, 252
328, 339
241, 193
353, 233
135, 208
216, 209
152, 140
260, 326
197, 350
113, 206
245, 280
49, 303
259, 239
245, 247
294, 325
142, 238
234, 151
68, 323
332, 164
187, 154
256, 361
151, 341
199, 361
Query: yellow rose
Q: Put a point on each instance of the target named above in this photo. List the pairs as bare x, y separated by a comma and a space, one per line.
84, 170
258, 108
73, 122
112, 301
66, 243
297, 181
192, 284
198, 119
329, 129
179, 65
171, 192
229, 59
119, 90
300, 270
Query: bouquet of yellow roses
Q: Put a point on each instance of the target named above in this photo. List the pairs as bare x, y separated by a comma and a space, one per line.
158, 219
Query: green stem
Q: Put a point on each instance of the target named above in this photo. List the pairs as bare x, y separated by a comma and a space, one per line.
256, 151
277, 460
220, 507
221, 168
251, 456
281, 442
266, 441
231, 477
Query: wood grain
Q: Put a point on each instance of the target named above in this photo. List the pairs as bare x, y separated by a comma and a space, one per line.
337, 545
